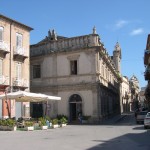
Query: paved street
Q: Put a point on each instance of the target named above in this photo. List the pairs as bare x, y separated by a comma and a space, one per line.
123, 134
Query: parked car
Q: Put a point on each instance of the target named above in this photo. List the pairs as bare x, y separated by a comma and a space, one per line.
147, 120
140, 116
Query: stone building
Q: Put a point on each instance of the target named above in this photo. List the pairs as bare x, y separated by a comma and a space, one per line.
14, 64
134, 87
142, 100
126, 95
81, 72
147, 71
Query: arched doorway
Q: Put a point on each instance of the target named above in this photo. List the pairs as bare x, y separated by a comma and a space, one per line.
75, 107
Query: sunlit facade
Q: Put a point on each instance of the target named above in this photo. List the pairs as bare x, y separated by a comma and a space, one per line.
14, 65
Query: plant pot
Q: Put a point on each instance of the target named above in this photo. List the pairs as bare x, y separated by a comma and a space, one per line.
55, 126
44, 127
63, 124
31, 128
13, 128
7, 128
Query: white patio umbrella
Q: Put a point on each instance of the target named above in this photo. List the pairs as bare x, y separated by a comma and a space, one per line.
22, 96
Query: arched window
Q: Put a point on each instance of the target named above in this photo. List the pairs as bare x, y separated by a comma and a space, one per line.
75, 98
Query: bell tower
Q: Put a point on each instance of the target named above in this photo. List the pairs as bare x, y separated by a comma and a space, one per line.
117, 57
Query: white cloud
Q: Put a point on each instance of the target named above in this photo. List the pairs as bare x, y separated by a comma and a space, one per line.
137, 31
121, 23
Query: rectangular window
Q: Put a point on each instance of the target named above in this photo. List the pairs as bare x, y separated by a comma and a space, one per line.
18, 71
36, 71
73, 67
1, 33
18, 40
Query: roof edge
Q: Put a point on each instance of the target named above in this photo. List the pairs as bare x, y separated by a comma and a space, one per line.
12, 20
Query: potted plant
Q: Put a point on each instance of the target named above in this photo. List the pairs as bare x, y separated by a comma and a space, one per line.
55, 123
42, 123
29, 125
8, 125
63, 121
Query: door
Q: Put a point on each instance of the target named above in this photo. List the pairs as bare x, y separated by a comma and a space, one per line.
75, 107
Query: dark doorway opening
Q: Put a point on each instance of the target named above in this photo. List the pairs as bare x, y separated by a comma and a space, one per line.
75, 106
37, 110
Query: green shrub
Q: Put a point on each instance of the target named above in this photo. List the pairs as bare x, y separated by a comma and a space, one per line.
55, 121
42, 121
63, 120
28, 123
48, 118
11, 122
8, 122
61, 116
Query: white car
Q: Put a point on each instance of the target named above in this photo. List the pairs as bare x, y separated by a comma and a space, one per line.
147, 120
140, 116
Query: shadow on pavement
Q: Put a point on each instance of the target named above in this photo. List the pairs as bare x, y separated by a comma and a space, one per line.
131, 141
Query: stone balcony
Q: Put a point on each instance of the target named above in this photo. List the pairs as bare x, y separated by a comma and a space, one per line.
20, 52
4, 80
4, 47
20, 82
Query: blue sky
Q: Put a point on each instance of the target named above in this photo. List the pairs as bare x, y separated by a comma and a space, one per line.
125, 21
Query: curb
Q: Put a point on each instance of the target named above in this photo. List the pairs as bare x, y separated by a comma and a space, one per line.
121, 117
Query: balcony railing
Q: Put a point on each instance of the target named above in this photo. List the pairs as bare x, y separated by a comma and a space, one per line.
147, 73
4, 47
4, 80
146, 57
20, 82
21, 51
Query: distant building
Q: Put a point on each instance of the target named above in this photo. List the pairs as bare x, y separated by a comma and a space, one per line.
81, 72
126, 95
142, 98
14, 65
134, 87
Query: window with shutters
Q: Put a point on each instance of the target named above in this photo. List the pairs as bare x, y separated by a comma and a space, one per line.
36, 71
18, 71
18, 40
1, 33
73, 67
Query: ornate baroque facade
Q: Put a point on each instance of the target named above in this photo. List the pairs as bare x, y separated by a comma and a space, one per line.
81, 72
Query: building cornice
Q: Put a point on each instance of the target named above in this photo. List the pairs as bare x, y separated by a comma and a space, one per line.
16, 22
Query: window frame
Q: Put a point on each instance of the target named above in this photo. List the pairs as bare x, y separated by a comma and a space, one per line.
36, 71
18, 71
73, 67
19, 40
